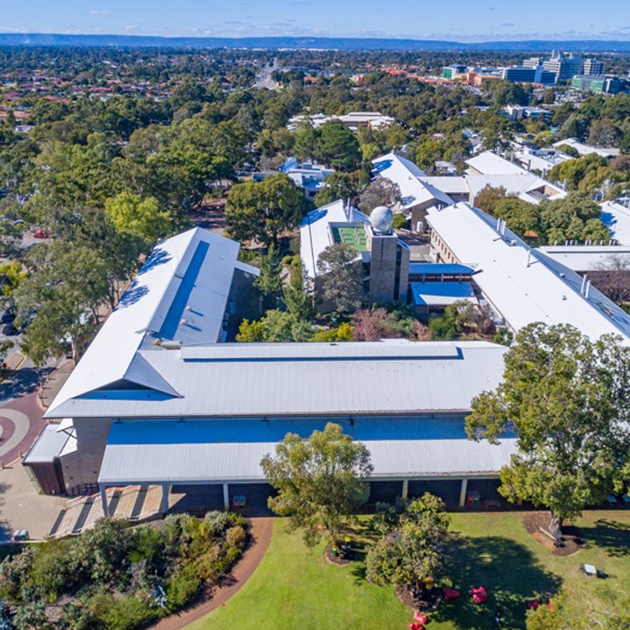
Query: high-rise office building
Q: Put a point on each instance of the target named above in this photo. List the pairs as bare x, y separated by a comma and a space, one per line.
563, 66
593, 67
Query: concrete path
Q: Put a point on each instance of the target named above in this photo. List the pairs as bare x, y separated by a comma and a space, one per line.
22, 508
262, 529
55, 381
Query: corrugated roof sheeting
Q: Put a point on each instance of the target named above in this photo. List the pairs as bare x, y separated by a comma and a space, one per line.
181, 292
522, 283
310, 379
214, 451
49, 444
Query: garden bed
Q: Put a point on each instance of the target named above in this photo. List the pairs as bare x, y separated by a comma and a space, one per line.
536, 524
428, 601
116, 576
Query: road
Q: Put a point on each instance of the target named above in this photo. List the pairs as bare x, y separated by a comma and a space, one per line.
263, 78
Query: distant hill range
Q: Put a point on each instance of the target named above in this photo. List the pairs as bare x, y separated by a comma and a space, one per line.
330, 43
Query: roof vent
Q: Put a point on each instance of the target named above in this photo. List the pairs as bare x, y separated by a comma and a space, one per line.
183, 322
171, 345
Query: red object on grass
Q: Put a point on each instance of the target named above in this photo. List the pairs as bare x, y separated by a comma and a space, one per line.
414, 625
479, 595
418, 616
549, 606
534, 604
450, 593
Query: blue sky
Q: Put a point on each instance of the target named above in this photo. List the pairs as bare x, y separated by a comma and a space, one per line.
461, 20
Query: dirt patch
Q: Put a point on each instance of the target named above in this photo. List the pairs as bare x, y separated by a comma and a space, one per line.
426, 601
571, 541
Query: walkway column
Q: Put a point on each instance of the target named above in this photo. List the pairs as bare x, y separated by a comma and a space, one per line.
226, 497
405, 489
462, 493
164, 501
104, 501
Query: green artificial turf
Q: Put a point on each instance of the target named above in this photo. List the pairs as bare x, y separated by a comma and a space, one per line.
295, 588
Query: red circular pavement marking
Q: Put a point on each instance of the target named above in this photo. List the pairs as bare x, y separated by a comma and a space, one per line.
8, 429
29, 407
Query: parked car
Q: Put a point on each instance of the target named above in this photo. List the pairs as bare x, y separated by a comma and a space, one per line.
8, 315
10, 330
41, 233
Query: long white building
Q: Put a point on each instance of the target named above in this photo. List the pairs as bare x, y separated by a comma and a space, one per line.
522, 284
158, 399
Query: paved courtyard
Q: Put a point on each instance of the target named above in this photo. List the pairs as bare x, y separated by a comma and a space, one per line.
21, 507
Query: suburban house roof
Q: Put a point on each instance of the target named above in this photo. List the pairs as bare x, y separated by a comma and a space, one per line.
617, 220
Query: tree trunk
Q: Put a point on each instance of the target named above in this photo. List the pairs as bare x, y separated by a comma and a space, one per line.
555, 525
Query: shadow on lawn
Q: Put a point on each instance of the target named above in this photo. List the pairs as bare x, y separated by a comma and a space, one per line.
509, 573
611, 536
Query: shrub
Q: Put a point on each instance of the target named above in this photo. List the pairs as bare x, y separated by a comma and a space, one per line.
182, 587
103, 550
77, 616
218, 522
55, 570
14, 574
145, 545
128, 613
400, 221
441, 328
235, 536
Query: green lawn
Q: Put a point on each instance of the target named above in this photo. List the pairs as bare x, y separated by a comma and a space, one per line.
295, 588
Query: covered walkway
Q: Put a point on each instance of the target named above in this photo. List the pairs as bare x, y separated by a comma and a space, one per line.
221, 458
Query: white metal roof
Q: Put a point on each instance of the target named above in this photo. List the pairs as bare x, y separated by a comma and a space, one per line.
392, 163
520, 185
541, 159
489, 163
449, 184
441, 293
215, 451
315, 235
406, 175
523, 284
179, 294
617, 220
585, 149
49, 445
228, 380
585, 257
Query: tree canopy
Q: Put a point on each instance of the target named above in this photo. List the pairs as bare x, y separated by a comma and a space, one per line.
264, 210
342, 278
567, 399
412, 549
321, 480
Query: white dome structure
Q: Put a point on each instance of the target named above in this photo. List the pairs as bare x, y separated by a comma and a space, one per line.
382, 219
